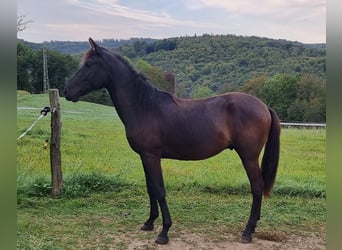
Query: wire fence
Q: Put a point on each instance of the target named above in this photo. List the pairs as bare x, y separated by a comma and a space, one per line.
302, 125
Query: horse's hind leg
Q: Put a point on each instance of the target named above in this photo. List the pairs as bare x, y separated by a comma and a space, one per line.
256, 182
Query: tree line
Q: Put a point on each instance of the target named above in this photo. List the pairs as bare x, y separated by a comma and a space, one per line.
61, 66
30, 68
294, 97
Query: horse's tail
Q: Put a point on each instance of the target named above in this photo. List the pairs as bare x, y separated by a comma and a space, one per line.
269, 163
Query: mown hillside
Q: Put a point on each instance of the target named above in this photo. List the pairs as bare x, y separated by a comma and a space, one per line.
93, 141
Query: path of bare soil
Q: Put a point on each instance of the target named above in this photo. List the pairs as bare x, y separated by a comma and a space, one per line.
196, 241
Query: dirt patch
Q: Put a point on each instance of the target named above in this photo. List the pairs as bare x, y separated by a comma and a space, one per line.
196, 241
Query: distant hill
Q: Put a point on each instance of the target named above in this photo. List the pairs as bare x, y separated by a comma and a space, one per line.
224, 63
218, 62
74, 47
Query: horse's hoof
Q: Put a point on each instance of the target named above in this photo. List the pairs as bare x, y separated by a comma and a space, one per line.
147, 227
162, 240
245, 239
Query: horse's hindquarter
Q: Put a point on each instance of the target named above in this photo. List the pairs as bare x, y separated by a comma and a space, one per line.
250, 122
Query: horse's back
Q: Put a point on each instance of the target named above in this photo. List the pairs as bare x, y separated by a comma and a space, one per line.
235, 108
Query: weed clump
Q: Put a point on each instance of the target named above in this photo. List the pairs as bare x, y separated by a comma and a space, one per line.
76, 185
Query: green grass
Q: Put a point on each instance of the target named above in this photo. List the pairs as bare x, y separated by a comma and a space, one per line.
93, 141
104, 185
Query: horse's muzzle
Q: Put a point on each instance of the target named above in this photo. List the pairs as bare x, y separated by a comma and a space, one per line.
68, 97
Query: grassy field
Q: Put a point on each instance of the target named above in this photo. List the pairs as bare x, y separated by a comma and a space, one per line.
104, 186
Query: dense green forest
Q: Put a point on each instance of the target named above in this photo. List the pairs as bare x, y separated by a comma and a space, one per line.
288, 76
225, 63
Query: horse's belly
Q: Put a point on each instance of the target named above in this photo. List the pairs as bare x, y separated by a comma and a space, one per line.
193, 152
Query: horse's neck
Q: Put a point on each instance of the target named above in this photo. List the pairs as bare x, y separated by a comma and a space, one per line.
130, 96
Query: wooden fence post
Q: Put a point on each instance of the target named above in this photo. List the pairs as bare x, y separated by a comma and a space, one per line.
55, 153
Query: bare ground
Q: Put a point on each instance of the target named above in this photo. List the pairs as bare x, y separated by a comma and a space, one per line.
197, 241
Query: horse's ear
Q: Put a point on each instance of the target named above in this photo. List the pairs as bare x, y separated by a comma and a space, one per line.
93, 45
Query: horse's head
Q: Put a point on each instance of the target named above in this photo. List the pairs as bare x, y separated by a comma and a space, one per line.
91, 75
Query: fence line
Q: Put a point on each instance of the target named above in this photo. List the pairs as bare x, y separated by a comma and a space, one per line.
302, 125
283, 124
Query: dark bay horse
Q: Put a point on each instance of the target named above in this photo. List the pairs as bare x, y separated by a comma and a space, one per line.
160, 125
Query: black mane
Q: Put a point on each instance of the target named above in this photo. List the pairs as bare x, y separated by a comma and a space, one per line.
147, 93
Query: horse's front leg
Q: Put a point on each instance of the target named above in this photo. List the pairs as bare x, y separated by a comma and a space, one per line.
148, 225
156, 191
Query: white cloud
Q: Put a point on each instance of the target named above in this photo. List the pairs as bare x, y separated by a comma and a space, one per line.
260, 7
115, 9
301, 20
137, 20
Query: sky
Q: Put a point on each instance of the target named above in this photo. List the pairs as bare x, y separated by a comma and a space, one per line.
76, 20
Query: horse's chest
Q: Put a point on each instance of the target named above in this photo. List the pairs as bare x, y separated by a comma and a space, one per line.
143, 138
